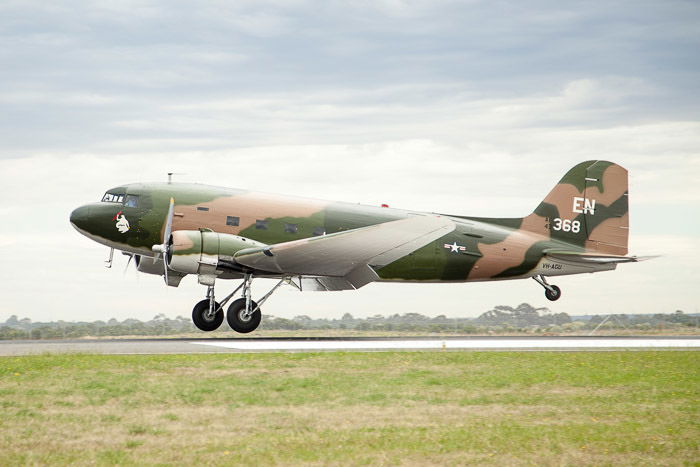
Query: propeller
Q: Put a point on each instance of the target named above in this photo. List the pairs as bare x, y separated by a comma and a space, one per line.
164, 248
128, 262
137, 260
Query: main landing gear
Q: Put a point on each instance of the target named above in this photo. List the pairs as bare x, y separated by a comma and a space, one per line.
243, 314
552, 292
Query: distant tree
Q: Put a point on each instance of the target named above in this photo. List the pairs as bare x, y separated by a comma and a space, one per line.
523, 315
12, 321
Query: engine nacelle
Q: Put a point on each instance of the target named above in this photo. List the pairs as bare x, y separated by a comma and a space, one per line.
150, 265
205, 252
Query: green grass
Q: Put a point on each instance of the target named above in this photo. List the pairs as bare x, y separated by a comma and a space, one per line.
534, 408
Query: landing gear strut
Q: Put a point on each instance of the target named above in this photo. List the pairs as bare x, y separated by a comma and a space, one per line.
243, 315
552, 292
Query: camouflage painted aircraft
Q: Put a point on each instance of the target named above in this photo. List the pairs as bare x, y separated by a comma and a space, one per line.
175, 229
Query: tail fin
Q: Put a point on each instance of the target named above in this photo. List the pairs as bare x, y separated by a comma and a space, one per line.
588, 208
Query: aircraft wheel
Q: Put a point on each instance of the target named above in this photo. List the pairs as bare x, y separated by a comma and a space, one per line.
553, 295
238, 320
202, 321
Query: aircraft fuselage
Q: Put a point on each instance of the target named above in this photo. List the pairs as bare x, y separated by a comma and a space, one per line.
478, 249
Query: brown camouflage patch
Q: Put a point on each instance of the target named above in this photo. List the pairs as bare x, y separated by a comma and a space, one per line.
562, 197
182, 241
504, 255
535, 224
248, 207
614, 183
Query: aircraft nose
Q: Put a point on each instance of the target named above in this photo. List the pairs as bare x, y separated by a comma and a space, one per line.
79, 217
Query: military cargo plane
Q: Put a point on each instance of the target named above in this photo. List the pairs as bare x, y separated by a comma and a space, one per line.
176, 229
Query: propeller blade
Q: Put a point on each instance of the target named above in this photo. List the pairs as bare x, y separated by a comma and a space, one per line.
166, 238
169, 222
128, 262
164, 248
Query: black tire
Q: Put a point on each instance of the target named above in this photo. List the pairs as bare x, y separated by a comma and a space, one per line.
199, 316
238, 322
553, 295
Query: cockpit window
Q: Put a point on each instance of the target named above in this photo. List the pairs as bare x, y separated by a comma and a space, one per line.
112, 198
131, 201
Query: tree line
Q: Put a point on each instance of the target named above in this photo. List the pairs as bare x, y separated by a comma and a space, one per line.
522, 319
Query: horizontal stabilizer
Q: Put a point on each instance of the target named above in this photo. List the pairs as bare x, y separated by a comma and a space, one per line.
596, 258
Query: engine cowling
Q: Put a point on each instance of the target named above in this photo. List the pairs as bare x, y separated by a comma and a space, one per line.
205, 252
151, 265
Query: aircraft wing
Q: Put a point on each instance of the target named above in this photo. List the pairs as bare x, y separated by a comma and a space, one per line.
345, 260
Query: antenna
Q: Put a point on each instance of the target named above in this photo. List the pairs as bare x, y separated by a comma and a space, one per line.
170, 176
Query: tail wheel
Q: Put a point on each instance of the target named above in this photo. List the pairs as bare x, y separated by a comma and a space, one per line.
202, 319
240, 320
554, 294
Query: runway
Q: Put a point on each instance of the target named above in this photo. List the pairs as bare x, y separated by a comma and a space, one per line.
357, 344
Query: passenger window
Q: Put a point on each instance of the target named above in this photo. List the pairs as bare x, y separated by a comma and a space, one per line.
233, 220
202, 208
318, 231
261, 224
290, 228
132, 201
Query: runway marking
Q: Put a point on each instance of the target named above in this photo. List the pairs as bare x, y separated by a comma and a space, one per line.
563, 343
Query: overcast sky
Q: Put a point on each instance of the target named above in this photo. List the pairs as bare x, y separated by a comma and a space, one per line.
474, 108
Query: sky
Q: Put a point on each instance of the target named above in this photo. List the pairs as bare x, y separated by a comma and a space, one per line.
464, 107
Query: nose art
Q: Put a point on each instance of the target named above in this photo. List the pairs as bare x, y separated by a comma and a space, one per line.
80, 216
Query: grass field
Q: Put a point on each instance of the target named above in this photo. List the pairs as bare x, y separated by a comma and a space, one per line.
536, 408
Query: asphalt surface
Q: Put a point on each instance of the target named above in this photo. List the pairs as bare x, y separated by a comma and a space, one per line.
297, 344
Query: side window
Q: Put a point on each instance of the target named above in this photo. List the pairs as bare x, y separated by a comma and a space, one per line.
318, 231
291, 228
233, 220
202, 208
131, 201
261, 224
